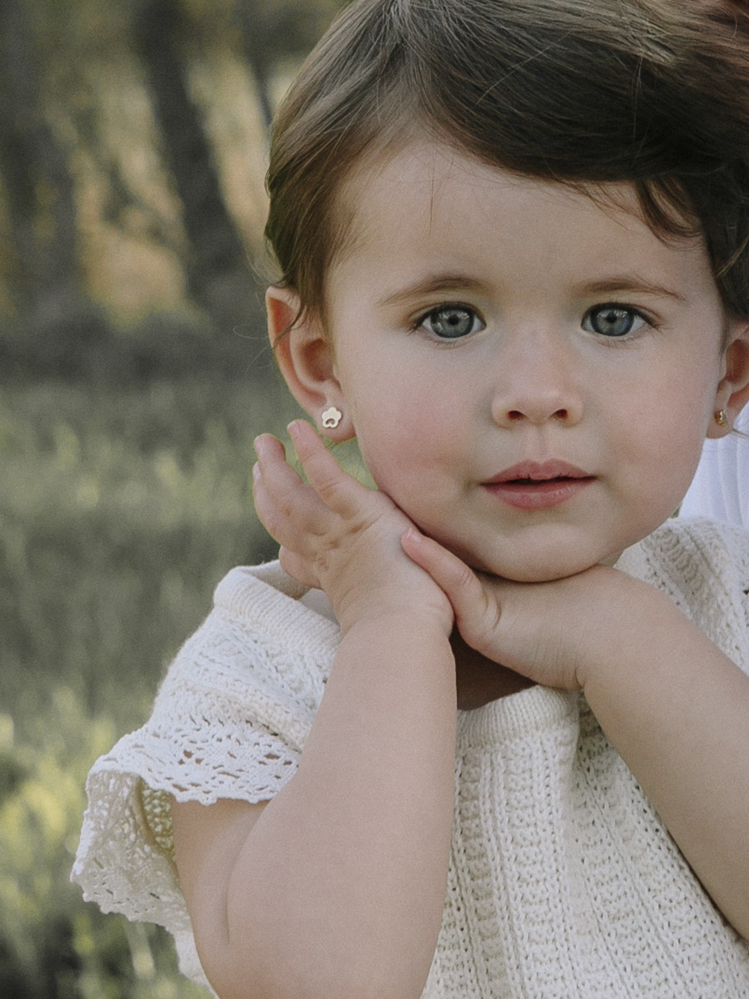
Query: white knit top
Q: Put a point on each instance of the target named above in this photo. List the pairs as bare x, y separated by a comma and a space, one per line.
563, 883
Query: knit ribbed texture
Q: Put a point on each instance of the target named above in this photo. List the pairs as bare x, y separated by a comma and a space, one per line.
563, 882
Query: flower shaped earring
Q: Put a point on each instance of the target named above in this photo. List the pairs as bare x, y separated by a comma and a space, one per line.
331, 418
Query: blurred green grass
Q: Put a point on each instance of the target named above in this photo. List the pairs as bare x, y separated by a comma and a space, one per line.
120, 509
125, 496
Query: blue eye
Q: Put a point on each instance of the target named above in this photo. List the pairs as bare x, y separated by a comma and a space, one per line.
613, 320
450, 322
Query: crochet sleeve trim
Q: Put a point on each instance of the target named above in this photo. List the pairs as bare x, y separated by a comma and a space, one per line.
230, 721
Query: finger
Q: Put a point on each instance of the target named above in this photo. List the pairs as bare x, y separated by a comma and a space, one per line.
293, 499
338, 490
276, 470
298, 567
475, 614
276, 523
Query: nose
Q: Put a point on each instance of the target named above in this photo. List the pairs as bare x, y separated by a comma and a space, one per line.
538, 381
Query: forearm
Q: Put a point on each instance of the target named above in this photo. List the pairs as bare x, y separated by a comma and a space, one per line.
339, 888
677, 710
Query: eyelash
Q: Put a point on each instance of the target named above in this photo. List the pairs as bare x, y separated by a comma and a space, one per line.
595, 310
446, 307
620, 307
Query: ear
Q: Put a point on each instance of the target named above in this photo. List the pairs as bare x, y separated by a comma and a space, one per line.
307, 361
733, 390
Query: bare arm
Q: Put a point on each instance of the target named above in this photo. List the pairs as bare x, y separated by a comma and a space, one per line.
672, 704
677, 710
336, 886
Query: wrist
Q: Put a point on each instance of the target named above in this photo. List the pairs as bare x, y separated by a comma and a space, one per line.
629, 625
386, 612
400, 591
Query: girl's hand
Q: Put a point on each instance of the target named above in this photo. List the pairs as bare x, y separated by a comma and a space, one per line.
339, 536
670, 702
337, 887
550, 632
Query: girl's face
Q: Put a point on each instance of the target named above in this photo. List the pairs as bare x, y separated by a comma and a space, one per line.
530, 375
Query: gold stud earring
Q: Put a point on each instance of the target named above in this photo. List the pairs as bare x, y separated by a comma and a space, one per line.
331, 418
721, 418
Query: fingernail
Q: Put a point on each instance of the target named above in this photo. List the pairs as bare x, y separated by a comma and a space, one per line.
256, 471
293, 427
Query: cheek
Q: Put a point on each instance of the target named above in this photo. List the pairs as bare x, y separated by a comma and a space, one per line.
667, 426
689, 405
409, 433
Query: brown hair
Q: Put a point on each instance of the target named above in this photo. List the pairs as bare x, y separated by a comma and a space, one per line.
654, 92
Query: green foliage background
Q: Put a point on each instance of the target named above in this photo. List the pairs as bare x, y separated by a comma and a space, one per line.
134, 375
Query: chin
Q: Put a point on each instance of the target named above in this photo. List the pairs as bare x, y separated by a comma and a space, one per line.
545, 574
543, 567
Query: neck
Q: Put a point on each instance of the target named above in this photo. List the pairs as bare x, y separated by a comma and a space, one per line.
480, 680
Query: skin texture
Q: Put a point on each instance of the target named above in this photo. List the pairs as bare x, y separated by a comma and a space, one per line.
530, 259
335, 888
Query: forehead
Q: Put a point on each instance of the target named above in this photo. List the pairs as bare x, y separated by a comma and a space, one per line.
426, 206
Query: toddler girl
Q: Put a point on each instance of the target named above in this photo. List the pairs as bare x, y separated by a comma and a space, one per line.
482, 732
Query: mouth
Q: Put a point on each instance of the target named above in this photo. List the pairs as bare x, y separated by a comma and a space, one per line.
532, 485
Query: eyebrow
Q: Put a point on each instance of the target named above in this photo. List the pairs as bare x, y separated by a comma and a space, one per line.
628, 282
431, 284
462, 282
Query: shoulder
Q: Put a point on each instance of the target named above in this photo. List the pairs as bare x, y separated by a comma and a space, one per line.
697, 547
237, 704
690, 547
266, 598
260, 641
703, 566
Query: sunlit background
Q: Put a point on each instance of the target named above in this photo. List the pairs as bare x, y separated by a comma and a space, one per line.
134, 374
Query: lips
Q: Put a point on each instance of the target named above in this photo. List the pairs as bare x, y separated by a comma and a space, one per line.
535, 471
533, 485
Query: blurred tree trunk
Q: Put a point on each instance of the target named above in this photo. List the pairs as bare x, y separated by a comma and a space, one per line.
259, 51
261, 74
219, 277
38, 185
